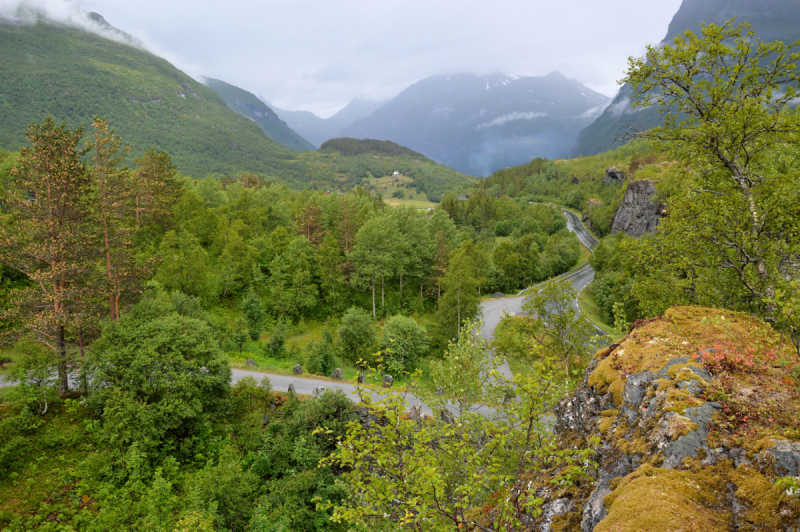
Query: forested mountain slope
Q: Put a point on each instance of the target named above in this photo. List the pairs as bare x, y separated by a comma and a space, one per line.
73, 75
248, 105
771, 20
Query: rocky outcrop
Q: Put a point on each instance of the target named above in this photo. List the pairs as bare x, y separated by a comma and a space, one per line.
614, 177
688, 440
638, 214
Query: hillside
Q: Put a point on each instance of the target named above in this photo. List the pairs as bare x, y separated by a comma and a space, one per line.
318, 130
73, 76
771, 20
479, 124
248, 105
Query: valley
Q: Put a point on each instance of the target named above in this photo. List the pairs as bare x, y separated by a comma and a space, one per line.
476, 301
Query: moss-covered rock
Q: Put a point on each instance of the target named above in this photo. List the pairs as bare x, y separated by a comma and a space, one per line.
698, 414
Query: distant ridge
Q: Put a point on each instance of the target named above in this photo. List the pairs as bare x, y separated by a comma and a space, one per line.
350, 146
317, 130
771, 20
248, 105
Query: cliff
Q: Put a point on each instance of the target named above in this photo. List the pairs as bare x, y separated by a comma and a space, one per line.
638, 214
695, 422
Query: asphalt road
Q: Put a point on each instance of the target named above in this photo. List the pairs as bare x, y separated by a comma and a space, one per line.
493, 311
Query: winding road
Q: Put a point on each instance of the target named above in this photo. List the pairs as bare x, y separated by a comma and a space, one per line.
493, 311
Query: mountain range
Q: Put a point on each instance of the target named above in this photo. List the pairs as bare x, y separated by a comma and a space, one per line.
248, 105
318, 130
479, 124
770, 19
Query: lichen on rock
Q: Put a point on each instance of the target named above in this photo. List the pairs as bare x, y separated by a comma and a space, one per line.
687, 442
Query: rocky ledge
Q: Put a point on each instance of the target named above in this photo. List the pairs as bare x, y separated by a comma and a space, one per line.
698, 418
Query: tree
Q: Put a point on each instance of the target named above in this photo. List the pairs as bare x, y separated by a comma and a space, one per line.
356, 334
373, 256
290, 283
253, 313
461, 299
50, 237
331, 267
157, 377
732, 195
404, 343
461, 469
185, 265
115, 194
553, 329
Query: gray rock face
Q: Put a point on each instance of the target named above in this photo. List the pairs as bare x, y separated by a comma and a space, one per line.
594, 510
783, 459
337, 374
252, 363
552, 509
317, 391
297, 370
614, 177
638, 214
577, 411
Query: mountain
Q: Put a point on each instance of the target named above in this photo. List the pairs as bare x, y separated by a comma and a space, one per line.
479, 124
248, 105
771, 20
318, 130
72, 75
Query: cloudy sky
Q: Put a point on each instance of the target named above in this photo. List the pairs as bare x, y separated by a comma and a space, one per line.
319, 54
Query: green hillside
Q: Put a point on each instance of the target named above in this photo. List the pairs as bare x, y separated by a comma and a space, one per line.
72, 75
247, 104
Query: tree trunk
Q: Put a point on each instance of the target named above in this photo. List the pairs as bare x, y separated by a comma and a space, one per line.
383, 297
61, 351
421, 295
374, 314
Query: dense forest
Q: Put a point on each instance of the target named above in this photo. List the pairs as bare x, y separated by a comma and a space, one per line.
146, 263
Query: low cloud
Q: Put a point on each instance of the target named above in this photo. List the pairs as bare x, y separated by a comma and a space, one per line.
64, 12
510, 117
594, 112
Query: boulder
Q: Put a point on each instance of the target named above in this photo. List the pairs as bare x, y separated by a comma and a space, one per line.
638, 214
614, 177
292, 390
297, 370
362, 377
575, 180
551, 510
782, 459
337, 374
388, 380
317, 391
252, 363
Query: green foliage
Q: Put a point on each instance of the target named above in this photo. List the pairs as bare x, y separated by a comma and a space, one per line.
321, 355
733, 217
276, 347
253, 313
404, 344
156, 377
454, 471
357, 335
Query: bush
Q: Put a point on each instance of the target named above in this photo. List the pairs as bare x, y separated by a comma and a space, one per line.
404, 343
276, 347
356, 334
